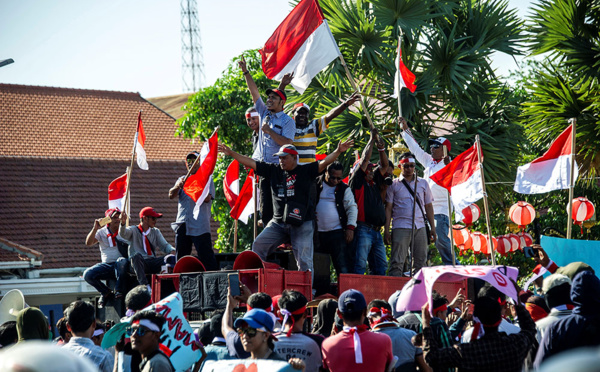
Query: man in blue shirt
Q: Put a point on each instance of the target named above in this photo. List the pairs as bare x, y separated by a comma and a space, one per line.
277, 129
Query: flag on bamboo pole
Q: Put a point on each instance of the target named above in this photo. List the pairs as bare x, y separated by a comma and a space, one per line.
302, 44
462, 178
116, 192
244, 205
551, 171
231, 183
197, 185
404, 78
140, 140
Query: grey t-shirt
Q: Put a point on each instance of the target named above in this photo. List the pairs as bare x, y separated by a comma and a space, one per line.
158, 362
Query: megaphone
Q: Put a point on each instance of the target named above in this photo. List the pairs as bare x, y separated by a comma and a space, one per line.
11, 304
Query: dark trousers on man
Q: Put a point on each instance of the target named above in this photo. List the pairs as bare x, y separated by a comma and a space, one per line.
142, 266
203, 244
334, 244
266, 201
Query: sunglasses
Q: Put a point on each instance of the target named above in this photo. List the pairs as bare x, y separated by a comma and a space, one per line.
435, 146
250, 332
408, 165
140, 331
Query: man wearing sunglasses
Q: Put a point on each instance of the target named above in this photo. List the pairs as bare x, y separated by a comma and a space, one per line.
189, 227
336, 218
145, 332
434, 162
143, 240
399, 208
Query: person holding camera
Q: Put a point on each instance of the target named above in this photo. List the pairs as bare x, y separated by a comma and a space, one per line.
408, 228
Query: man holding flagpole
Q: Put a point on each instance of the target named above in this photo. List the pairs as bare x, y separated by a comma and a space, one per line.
434, 162
278, 129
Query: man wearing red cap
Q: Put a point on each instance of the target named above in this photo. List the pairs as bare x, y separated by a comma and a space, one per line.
253, 121
434, 162
143, 240
277, 129
113, 265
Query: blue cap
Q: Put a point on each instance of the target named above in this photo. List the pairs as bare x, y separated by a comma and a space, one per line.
352, 302
256, 318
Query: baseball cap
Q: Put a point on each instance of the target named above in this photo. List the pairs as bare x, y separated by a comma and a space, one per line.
110, 212
351, 302
192, 155
149, 212
298, 106
280, 93
555, 280
256, 318
287, 150
442, 141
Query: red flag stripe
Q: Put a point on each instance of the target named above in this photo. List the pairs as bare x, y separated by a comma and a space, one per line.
407, 76
232, 175
459, 169
117, 188
560, 146
195, 184
140, 130
244, 196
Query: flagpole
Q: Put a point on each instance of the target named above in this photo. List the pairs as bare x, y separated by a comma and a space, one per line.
399, 77
127, 196
355, 87
450, 224
573, 121
485, 201
255, 191
412, 228
235, 221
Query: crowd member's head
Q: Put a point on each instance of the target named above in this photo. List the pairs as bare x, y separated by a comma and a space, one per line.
275, 100
63, 330
407, 163
205, 333
256, 330
380, 311
537, 308
253, 119
191, 163
292, 307
148, 217
81, 319
216, 320
440, 305
145, 332
325, 317
137, 299
352, 308
115, 216
436, 146
370, 172
32, 325
41, 356
300, 114
489, 312
574, 268
389, 173
557, 290
8, 333
392, 301
98, 334
489, 291
585, 293
260, 300
288, 157
334, 173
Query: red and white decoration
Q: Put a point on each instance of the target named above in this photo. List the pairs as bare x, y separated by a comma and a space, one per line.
231, 183
525, 240
504, 245
302, 44
462, 238
404, 77
583, 210
515, 242
522, 213
244, 205
116, 193
471, 214
197, 185
551, 171
480, 243
140, 140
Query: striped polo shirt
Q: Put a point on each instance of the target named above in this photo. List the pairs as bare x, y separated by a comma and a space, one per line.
306, 138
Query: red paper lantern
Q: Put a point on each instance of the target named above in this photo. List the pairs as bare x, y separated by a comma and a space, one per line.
583, 210
471, 214
462, 237
504, 245
515, 242
522, 214
480, 243
525, 240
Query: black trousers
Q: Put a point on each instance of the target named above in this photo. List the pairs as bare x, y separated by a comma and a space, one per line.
203, 244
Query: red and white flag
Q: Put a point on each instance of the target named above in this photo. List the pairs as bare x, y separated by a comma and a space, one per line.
231, 183
551, 171
197, 186
302, 44
244, 205
140, 140
404, 78
462, 178
116, 193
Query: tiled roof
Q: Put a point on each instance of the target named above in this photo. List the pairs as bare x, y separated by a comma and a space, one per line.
49, 204
46, 121
172, 104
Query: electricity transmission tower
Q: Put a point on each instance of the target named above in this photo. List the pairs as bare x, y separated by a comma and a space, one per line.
192, 65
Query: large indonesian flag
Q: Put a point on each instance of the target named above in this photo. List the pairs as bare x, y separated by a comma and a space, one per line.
302, 44
404, 77
244, 205
551, 171
462, 178
140, 140
116, 193
197, 185
231, 183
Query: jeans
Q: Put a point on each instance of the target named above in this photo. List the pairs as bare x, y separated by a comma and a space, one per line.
203, 244
442, 243
277, 233
368, 244
150, 265
334, 244
400, 247
104, 271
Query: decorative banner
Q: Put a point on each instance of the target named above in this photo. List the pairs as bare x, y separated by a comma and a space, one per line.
247, 365
178, 340
522, 213
418, 290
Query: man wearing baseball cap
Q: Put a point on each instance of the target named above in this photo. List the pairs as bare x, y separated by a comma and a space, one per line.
277, 129
356, 348
112, 248
293, 210
434, 162
143, 240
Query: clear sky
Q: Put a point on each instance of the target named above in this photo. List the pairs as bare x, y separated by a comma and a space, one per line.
133, 45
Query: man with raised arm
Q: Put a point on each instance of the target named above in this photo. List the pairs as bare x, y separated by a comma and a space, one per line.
277, 129
293, 210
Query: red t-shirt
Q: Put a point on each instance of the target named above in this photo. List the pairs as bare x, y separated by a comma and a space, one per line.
338, 352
